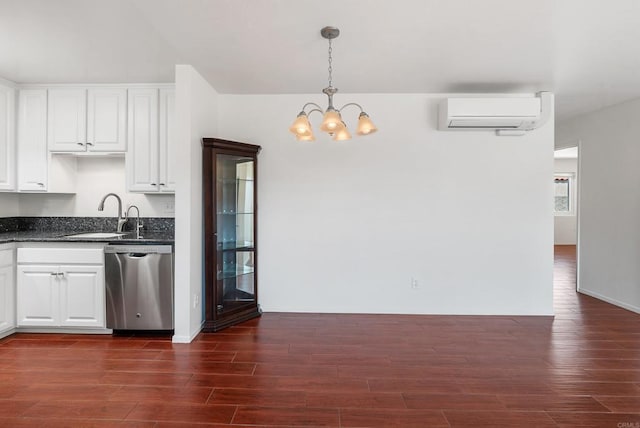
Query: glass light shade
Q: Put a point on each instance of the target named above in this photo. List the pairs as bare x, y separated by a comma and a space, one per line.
301, 126
332, 122
365, 125
342, 134
308, 137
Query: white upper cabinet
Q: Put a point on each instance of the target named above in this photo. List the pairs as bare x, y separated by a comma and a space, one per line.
32, 140
167, 148
142, 157
87, 120
38, 170
151, 154
67, 120
7, 138
106, 120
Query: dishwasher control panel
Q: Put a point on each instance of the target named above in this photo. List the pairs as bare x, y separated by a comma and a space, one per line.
147, 249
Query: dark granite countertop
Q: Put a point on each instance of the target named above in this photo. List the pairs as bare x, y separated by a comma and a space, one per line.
58, 229
162, 237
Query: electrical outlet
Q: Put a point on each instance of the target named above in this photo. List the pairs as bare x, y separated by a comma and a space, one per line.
414, 283
196, 300
170, 208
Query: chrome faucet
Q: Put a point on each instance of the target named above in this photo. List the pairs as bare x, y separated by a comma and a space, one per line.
139, 224
121, 220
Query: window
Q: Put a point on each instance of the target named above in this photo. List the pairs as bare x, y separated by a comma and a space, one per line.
563, 197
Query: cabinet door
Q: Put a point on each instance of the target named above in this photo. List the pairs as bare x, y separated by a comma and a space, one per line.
37, 296
82, 301
67, 120
7, 138
167, 154
7, 300
142, 156
32, 135
106, 120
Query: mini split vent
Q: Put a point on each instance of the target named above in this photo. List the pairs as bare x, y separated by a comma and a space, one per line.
507, 115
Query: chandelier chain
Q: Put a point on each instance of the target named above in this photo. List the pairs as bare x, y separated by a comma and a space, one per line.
330, 61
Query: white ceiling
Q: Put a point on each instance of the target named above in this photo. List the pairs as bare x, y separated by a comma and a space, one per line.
583, 50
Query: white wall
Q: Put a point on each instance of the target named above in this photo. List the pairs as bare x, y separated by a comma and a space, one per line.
609, 247
345, 226
196, 117
9, 205
565, 226
96, 176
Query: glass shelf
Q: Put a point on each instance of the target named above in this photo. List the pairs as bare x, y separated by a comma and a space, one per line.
240, 245
234, 271
233, 213
233, 180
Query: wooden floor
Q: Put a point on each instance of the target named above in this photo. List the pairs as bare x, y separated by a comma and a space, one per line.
580, 369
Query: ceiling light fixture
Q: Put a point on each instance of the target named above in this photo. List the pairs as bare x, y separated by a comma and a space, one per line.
332, 122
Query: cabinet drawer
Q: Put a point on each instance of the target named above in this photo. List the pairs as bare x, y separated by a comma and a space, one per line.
61, 255
6, 258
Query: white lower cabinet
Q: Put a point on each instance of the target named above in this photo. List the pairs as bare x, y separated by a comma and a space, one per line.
82, 302
38, 296
7, 291
60, 294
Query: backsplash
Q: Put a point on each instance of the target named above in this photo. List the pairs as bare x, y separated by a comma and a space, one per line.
82, 224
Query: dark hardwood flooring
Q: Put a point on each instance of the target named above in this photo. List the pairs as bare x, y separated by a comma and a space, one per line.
580, 369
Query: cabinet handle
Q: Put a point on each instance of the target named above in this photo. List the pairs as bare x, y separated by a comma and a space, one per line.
89, 144
54, 273
36, 182
80, 144
153, 184
162, 184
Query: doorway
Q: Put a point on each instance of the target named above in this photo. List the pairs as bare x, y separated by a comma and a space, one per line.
566, 200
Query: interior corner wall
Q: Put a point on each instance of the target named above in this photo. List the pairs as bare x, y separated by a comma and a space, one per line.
565, 230
196, 117
409, 220
609, 236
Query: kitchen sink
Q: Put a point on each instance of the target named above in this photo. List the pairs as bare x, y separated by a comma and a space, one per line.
97, 235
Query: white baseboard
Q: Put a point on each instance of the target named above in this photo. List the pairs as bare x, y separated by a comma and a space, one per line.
63, 330
187, 339
6, 333
610, 300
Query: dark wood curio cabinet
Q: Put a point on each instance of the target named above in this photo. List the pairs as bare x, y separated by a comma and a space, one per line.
230, 216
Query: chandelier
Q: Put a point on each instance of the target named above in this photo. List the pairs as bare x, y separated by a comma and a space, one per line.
332, 122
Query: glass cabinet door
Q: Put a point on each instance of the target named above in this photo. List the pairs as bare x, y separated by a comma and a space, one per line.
235, 234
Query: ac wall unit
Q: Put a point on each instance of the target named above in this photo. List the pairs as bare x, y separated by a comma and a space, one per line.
506, 115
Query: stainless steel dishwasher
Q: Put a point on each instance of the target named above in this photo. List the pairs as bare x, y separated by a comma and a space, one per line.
139, 285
